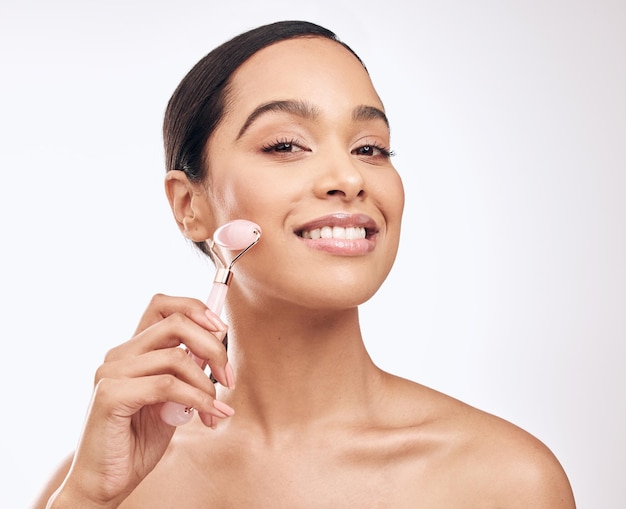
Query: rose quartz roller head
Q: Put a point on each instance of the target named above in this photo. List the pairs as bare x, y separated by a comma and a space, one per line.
238, 235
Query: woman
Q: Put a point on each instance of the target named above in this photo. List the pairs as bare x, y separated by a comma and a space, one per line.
282, 126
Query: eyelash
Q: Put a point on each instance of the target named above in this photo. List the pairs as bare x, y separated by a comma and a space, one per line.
384, 151
280, 142
285, 143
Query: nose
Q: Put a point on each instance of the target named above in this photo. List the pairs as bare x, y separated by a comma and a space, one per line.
340, 177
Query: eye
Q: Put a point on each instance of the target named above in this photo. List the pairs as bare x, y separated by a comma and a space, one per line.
283, 146
373, 150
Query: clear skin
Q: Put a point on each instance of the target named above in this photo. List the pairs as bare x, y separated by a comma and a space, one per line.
317, 424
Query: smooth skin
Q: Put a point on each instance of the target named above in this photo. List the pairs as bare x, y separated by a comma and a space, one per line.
317, 424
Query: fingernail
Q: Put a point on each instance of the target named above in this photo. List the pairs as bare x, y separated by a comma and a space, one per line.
230, 376
223, 407
215, 320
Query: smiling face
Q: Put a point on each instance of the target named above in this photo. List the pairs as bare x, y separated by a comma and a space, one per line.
303, 150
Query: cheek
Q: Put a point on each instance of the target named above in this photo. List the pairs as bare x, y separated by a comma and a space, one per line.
244, 196
391, 199
391, 202
399, 193
230, 197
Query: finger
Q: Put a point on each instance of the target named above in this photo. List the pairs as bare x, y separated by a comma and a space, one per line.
171, 361
161, 306
123, 398
172, 331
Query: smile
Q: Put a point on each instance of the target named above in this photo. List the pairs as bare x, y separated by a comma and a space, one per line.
340, 234
335, 232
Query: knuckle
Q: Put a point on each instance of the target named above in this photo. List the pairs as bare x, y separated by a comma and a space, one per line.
178, 355
157, 299
176, 319
166, 382
106, 389
206, 401
218, 357
111, 354
100, 373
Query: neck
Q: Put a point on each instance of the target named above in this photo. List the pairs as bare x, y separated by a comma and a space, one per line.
299, 368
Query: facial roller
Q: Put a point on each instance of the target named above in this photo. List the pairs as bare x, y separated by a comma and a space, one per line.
241, 235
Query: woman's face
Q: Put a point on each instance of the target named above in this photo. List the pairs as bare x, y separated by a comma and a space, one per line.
303, 150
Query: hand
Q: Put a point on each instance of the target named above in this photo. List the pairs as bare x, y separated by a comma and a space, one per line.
124, 436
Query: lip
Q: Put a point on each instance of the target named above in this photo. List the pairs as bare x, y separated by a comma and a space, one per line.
345, 247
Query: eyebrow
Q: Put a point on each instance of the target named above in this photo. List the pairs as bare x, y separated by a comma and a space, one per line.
306, 111
298, 108
363, 113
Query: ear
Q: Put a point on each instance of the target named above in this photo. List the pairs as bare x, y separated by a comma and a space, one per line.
190, 205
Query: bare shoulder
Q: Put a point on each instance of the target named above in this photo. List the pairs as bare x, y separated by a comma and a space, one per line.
510, 464
482, 456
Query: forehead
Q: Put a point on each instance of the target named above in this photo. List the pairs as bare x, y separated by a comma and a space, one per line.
315, 69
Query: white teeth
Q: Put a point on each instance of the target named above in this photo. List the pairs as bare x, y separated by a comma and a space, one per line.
335, 232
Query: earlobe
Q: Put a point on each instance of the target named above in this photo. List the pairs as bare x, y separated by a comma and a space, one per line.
188, 202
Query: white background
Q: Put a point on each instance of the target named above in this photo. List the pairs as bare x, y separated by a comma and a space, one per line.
509, 123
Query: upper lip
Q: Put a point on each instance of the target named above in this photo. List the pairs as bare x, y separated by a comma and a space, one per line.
342, 219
